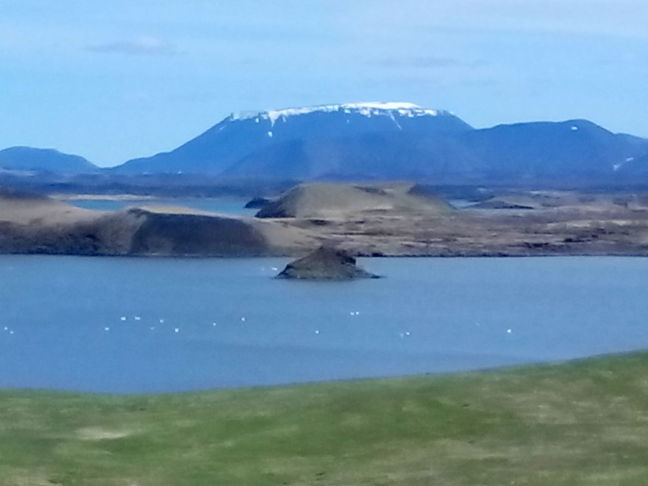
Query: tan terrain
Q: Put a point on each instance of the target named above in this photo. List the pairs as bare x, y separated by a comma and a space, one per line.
328, 200
550, 223
381, 220
33, 224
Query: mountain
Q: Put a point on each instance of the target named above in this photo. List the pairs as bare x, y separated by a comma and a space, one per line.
242, 135
355, 142
371, 156
574, 148
381, 141
522, 151
46, 160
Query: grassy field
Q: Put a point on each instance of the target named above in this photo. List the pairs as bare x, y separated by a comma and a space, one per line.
580, 423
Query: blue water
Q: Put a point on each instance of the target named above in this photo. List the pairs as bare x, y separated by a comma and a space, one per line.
226, 322
234, 206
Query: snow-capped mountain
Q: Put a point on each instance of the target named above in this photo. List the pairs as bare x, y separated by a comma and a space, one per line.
240, 135
370, 109
376, 140
398, 141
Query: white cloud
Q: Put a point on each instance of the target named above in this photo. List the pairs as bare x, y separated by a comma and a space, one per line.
144, 45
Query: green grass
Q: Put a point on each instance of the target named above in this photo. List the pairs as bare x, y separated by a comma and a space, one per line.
580, 423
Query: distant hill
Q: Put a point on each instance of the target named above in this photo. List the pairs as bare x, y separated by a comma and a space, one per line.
382, 141
524, 151
575, 148
37, 159
285, 132
326, 200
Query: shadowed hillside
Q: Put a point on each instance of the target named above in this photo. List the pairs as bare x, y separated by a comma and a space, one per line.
36, 224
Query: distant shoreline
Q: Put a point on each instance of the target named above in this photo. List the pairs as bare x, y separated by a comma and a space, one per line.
101, 197
135, 197
561, 224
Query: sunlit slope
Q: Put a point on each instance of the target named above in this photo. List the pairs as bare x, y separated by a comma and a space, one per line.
342, 200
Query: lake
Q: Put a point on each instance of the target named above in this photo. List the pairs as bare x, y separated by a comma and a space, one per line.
223, 205
157, 325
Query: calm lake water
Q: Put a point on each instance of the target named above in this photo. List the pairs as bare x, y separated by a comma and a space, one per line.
224, 205
143, 325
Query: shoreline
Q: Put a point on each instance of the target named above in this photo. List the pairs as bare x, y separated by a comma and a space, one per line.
135, 197
471, 428
444, 256
51, 226
100, 197
506, 368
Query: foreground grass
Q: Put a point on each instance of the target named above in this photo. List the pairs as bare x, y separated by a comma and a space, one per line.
581, 423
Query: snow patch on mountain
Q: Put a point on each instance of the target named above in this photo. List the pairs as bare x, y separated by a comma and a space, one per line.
368, 109
621, 164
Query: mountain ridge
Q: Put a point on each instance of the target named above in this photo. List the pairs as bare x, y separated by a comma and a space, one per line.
394, 140
382, 141
235, 137
43, 159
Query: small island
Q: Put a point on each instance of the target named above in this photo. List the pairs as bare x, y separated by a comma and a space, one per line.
325, 263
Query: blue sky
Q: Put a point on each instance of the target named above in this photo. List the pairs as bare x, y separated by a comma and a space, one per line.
119, 79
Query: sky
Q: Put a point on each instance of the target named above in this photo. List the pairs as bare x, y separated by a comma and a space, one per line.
119, 79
